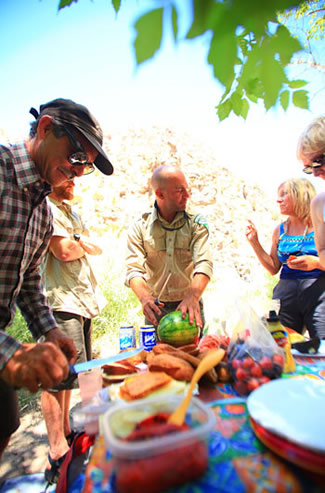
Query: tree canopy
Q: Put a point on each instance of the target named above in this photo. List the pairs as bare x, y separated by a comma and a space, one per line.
250, 46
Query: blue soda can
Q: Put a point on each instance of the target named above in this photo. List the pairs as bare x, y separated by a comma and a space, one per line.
127, 338
147, 337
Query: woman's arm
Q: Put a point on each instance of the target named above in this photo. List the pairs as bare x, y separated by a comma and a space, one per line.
270, 261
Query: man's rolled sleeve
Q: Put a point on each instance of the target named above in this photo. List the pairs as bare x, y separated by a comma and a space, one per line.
136, 256
202, 258
8, 346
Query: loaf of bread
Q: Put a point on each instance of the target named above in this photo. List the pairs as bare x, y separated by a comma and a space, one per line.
172, 365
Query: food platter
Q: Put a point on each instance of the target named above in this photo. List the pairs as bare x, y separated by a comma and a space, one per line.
320, 353
292, 408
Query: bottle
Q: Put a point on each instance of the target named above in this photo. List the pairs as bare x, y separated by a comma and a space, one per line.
281, 337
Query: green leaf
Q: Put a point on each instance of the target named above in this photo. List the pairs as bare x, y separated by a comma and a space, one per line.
272, 74
284, 44
284, 99
149, 34
224, 109
300, 99
66, 3
205, 15
236, 102
296, 84
222, 56
252, 97
174, 22
254, 15
244, 108
116, 4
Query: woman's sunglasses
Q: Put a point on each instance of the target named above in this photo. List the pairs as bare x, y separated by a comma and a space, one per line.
317, 163
79, 157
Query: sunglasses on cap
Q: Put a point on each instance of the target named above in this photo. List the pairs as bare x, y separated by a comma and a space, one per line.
79, 156
317, 163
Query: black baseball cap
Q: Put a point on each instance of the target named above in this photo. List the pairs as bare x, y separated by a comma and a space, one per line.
78, 116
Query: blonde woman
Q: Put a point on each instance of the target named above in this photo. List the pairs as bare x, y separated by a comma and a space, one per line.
301, 288
311, 151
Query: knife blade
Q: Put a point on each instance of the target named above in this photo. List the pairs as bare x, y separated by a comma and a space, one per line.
74, 370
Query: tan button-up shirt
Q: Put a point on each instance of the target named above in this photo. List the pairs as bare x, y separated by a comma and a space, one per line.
154, 252
69, 286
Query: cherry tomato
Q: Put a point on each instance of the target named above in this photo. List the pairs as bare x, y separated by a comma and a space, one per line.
240, 387
252, 384
256, 370
264, 380
279, 359
241, 374
266, 363
248, 363
236, 363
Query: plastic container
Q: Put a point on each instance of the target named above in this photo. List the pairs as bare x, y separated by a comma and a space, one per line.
164, 461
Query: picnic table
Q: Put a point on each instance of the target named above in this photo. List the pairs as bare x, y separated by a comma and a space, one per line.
238, 460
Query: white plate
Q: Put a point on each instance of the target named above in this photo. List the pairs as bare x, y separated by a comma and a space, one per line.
320, 353
293, 408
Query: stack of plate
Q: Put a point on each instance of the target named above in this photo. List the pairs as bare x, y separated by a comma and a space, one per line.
287, 415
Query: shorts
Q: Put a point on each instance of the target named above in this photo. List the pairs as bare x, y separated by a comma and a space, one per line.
170, 306
302, 304
79, 329
9, 412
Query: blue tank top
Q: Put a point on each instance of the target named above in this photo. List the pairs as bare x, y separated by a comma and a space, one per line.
296, 245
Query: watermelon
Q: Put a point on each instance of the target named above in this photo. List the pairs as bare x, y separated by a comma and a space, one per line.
174, 330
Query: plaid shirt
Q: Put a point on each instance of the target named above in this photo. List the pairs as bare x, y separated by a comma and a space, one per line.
25, 232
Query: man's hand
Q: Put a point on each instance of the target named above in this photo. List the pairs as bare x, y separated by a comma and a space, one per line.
36, 365
149, 309
190, 305
66, 344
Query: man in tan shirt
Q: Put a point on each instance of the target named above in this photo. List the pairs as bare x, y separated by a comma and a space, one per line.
70, 287
168, 252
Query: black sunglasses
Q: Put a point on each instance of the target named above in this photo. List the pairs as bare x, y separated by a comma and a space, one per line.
317, 163
79, 157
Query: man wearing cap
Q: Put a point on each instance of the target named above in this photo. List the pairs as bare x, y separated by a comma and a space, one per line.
72, 292
64, 143
168, 252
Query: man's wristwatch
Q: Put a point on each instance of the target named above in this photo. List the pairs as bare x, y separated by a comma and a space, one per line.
76, 236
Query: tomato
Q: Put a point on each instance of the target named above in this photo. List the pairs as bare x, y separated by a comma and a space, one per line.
252, 384
240, 387
279, 359
264, 380
248, 363
266, 363
236, 363
241, 374
256, 370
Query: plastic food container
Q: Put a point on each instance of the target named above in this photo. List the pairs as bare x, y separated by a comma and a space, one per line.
157, 463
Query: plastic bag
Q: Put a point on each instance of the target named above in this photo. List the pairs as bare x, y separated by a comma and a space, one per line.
254, 358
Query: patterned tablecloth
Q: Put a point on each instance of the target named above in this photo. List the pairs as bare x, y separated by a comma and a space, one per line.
238, 460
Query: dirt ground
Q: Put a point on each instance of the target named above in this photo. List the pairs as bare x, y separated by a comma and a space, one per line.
28, 447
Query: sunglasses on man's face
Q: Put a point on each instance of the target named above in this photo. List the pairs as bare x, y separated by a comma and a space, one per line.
317, 163
79, 157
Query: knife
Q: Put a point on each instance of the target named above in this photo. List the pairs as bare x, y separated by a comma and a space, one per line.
74, 370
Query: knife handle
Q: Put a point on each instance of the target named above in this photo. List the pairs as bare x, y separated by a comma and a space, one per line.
67, 382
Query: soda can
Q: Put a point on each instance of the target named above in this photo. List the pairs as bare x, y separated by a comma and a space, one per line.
147, 337
127, 338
